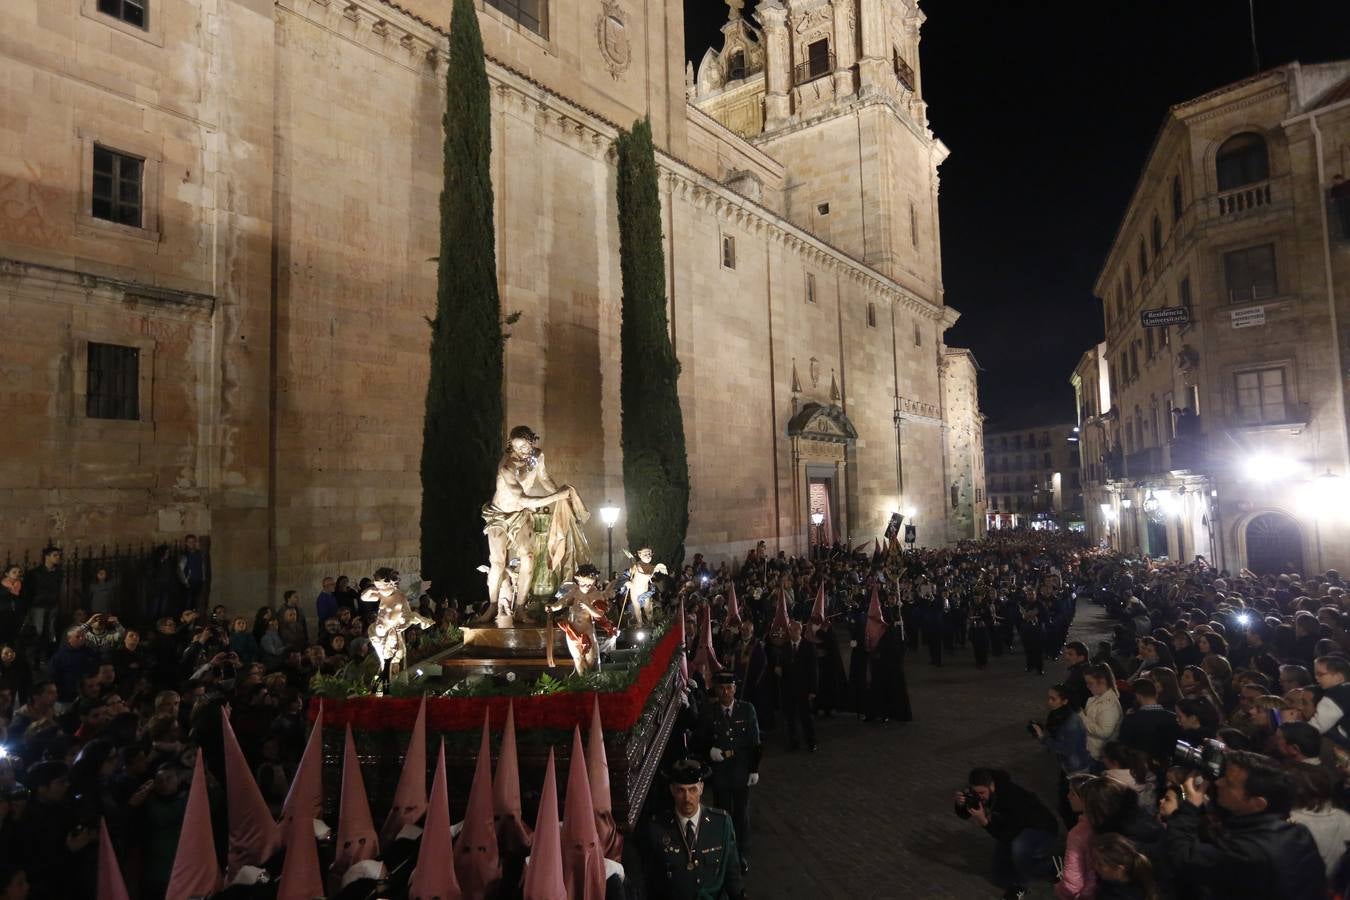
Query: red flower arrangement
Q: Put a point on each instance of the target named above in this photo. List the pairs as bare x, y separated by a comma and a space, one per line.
619, 710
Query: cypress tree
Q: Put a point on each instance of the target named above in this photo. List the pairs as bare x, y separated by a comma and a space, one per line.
655, 468
462, 433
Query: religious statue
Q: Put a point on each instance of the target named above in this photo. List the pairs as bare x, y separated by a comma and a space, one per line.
394, 616
639, 586
583, 606
523, 487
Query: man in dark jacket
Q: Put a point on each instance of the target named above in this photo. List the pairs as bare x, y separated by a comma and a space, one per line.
42, 595
1149, 728
1023, 826
1258, 854
1076, 656
799, 680
72, 662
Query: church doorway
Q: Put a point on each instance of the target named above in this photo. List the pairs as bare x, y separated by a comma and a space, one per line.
1274, 544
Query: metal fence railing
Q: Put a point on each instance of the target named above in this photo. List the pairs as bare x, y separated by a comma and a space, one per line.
135, 571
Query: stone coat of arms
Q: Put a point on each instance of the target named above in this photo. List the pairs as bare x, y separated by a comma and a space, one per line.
611, 31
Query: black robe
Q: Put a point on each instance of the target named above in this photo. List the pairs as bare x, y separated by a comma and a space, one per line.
889, 692
832, 693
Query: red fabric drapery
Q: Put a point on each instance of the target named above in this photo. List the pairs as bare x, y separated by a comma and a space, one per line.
619, 710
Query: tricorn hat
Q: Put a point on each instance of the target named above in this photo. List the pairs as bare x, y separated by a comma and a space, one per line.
687, 771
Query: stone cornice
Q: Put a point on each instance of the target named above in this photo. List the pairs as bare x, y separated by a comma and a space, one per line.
70, 281
425, 45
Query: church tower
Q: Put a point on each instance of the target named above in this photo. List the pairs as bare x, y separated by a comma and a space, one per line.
832, 90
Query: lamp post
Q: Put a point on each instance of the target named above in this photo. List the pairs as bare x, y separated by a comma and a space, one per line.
609, 514
818, 519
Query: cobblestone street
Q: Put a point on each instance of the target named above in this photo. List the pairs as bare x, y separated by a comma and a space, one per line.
869, 815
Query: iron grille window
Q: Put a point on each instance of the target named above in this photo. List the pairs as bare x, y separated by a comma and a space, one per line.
113, 384
1260, 395
904, 71
533, 14
130, 11
1250, 273
117, 187
819, 62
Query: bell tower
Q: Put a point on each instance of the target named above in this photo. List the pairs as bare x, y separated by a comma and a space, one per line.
823, 54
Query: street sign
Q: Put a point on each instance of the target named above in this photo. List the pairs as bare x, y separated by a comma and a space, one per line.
1249, 318
1165, 315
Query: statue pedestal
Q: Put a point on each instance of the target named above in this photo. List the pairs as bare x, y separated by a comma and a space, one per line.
512, 642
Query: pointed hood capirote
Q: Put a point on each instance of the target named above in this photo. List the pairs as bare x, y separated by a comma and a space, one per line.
195, 873
705, 657
300, 875
876, 622
733, 619
111, 886
512, 832
254, 836
597, 771
356, 838
544, 872
477, 863
305, 797
410, 797
434, 876
581, 850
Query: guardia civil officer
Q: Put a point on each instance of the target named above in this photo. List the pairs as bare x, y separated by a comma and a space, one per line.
728, 737
691, 849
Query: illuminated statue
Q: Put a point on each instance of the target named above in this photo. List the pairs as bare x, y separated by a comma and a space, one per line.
394, 616
639, 587
584, 608
524, 487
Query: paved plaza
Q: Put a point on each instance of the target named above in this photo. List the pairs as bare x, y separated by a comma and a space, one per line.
869, 815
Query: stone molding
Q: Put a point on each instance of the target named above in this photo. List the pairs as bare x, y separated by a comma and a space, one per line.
90, 286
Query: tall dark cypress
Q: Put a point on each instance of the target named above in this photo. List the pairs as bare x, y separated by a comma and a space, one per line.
655, 469
462, 434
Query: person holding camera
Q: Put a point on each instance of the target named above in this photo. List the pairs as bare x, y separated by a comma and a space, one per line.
1258, 854
1023, 828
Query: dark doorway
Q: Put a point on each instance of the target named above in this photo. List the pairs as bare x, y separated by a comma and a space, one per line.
1157, 538
1274, 545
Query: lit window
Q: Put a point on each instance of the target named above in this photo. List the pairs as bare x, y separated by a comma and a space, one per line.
728, 252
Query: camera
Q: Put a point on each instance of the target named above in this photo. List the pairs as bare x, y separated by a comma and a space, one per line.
1209, 758
1032, 725
970, 800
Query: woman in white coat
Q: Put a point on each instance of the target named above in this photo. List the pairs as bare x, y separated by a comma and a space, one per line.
1101, 713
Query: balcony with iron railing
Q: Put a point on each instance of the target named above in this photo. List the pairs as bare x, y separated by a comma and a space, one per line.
817, 67
905, 72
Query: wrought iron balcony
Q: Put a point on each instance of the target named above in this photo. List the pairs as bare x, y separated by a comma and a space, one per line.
812, 69
905, 72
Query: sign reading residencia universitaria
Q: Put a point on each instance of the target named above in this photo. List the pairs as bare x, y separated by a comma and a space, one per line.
1164, 315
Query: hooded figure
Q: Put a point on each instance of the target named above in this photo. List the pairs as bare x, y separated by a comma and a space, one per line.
254, 836
583, 858
544, 871
300, 876
513, 835
705, 658
410, 797
434, 876
597, 770
477, 865
876, 622
305, 797
194, 872
110, 883
356, 838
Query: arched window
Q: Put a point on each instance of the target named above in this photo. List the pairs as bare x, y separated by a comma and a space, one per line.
1178, 201
1143, 261
1241, 160
1156, 235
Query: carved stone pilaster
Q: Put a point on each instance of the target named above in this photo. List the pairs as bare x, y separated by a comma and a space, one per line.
777, 64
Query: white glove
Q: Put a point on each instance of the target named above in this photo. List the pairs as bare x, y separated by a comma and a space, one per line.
853, 645
716, 754
754, 779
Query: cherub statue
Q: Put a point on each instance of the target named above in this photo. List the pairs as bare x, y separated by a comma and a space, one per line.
394, 616
639, 586
585, 608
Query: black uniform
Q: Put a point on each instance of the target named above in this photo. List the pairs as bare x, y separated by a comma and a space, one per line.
710, 869
735, 733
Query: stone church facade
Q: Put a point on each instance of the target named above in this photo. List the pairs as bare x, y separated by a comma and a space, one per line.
216, 220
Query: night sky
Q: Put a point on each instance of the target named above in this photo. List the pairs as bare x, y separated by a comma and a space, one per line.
1049, 110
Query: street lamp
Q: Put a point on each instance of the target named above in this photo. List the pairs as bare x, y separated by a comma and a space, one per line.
609, 514
818, 519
